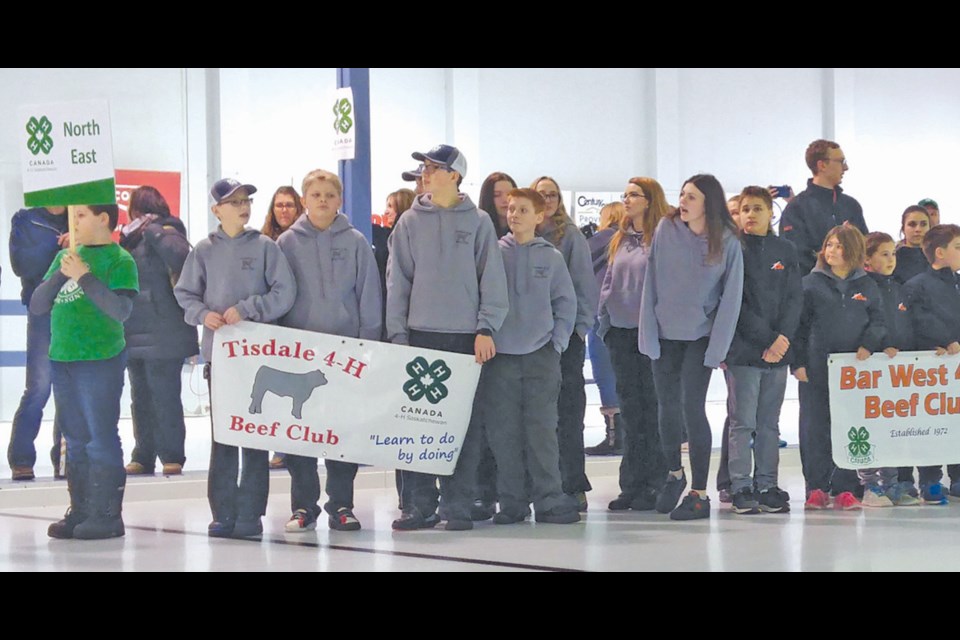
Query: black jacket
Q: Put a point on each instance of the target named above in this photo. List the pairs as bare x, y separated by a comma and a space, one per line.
896, 317
808, 217
772, 300
839, 316
33, 246
156, 328
910, 262
933, 301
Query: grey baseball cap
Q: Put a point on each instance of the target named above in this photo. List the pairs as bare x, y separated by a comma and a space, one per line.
444, 154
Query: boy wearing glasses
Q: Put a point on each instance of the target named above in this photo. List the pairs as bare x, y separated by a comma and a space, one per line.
234, 274
446, 290
821, 206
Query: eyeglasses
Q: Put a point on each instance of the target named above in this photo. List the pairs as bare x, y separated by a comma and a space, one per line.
284, 205
842, 161
549, 197
427, 169
239, 203
630, 196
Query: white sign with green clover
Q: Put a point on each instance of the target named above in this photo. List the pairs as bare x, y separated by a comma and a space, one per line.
329, 397
67, 153
895, 412
343, 124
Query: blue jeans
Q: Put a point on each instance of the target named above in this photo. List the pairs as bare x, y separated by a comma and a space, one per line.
755, 396
87, 396
602, 370
26, 421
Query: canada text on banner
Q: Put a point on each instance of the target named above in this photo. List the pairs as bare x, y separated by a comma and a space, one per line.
334, 398
892, 412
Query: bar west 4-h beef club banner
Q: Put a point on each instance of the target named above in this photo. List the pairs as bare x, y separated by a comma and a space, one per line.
891, 412
329, 397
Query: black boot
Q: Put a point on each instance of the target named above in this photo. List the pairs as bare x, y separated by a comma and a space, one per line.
106, 500
78, 481
612, 445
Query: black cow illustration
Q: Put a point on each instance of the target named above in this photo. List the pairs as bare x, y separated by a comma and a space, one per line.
298, 386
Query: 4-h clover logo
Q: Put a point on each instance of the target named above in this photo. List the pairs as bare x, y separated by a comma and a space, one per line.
426, 380
859, 442
39, 139
342, 122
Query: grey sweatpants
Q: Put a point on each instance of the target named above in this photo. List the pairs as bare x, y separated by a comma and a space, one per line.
756, 396
521, 419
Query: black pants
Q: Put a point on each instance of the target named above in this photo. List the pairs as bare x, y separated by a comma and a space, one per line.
682, 382
459, 490
305, 484
158, 426
642, 467
572, 406
816, 451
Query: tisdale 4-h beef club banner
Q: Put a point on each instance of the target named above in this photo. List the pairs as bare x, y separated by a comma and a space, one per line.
891, 412
330, 397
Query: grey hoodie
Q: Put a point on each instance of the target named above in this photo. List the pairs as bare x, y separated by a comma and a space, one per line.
248, 272
576, 253
444, 273
684, 298
623, 284
338, 285
543, 303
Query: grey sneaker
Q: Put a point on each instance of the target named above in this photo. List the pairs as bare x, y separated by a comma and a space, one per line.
744, 501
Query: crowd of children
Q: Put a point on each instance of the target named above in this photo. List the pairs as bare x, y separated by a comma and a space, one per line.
679, 292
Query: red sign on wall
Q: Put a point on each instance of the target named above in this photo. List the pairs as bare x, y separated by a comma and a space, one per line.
166, 182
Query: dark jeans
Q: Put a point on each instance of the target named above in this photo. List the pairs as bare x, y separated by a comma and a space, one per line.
642, 467
930, 475
305, 484
682, 381
26, 420
158, 426
571, 406
816, 452
87, 397
228, 500
486, 471
419, 490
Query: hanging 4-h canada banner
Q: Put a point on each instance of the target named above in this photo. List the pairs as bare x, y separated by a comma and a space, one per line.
329, 397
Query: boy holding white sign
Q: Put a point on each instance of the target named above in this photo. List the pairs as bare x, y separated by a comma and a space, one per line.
338, 292
523, 380
446, 290
89, 294
933, 300
232, 275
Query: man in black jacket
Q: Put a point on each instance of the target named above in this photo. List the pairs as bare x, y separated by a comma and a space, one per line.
821, 206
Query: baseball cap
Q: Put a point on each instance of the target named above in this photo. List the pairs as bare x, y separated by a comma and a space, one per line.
929, 202
444, 154
223, 189
411, 176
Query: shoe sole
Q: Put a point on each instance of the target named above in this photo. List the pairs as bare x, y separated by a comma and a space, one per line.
766, 509
458, 525
744, 512
563, 520
336, 526
310, 527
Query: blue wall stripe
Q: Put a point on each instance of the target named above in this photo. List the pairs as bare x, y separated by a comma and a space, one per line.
13, 358
12, 308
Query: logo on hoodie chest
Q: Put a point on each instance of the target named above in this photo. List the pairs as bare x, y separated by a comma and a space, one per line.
246, 264
541, 272
338, 254
463, 237
777, 266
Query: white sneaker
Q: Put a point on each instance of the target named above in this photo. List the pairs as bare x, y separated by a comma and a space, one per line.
300, 522
875, 498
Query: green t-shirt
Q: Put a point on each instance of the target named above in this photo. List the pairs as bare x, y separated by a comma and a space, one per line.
78, 329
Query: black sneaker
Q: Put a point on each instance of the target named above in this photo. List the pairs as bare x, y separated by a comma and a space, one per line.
644, 501
620, 503
246, 529
481, 510
505, 517
774, 500
412, 519
745, 502
671, 492
692, 507
344, 520
458, 525
559, 515
220, 529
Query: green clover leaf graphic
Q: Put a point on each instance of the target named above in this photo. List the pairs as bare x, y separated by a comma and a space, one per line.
342, 121
859, 441
426, 380
39, 139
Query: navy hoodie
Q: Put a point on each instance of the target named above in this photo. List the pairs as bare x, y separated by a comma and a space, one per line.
933, 301
808, 217
772, 300
839, 316
910, 262
899, 332
33, 246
